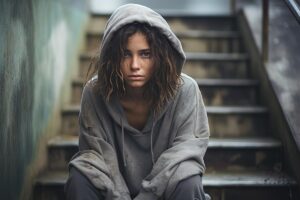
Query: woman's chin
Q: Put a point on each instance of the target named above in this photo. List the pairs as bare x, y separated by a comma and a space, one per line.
135, 86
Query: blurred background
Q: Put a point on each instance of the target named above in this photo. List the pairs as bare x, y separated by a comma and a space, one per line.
197, 7
244, 55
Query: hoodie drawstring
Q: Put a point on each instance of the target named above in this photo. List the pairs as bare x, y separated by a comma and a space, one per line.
151, 142
123, 143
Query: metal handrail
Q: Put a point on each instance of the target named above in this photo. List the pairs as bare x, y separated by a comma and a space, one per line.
265, 30
294, 7
291, 4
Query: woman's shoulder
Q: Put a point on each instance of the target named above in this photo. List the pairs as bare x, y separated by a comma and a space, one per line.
90, 88
187, 83
187, 89
91, 84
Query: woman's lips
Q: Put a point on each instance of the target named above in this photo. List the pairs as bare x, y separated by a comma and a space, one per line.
136, 77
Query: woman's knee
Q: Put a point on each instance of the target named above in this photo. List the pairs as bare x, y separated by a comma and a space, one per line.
190, 188
76, 179
191, 183
79, 187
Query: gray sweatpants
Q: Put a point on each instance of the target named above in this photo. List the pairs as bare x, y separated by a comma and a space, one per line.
78, 187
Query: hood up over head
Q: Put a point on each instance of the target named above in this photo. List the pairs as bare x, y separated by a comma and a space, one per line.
130, 13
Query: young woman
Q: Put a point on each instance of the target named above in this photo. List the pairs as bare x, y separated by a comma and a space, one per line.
143, 125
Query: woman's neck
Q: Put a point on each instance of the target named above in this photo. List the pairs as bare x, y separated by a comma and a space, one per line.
136, 94
136, 108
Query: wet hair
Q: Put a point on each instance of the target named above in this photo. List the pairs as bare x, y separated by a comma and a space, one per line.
165, 79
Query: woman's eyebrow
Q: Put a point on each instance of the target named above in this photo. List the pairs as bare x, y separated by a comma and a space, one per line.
140, 50
144, 50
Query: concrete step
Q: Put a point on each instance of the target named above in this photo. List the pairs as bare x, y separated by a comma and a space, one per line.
249, 185
192, 41
60, 151
69, 124
224, 121
237, 121
198, 65
77, 87
223, 153
229, 92
215, 92
177, 22
50, 186
224, 185
242, 154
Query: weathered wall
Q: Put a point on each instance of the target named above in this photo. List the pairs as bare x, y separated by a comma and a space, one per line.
40, 40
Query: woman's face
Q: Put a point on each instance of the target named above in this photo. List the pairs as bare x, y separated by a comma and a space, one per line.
137, 62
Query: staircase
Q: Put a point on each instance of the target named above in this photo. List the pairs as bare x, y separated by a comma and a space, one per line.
243, 160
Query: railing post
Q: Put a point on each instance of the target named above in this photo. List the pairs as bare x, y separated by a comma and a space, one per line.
233, 6
265, 30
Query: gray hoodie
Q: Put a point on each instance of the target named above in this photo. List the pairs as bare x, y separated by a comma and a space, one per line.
128, 163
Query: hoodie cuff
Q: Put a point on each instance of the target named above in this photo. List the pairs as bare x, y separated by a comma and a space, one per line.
144, 195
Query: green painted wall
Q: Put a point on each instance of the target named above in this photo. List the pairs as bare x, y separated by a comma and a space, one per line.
40, 41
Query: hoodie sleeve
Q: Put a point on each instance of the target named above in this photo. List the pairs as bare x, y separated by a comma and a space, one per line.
97, 158
185, 156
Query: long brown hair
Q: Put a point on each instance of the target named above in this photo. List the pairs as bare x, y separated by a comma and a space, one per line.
165, 80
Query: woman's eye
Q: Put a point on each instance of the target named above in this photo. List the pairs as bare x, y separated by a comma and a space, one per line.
126, 54
146, 54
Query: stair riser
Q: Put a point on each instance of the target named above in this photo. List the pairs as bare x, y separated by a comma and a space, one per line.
76, 93
97, 23
237, 125
215, 159
217, 45
59, 157
55, 192
197, 68
221, 125
238, 96
212, 96
216, 69
70, 124
242, 159
211, 45
179, 24
250, 193
84, 67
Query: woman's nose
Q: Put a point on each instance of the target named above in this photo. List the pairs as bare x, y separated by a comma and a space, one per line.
135, 64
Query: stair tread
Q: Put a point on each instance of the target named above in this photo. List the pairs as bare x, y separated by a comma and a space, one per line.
52, 178
78, 81
189, 33
71, 109
204, 82
226, 82
216, 56
208, 34
219, 179
195, 56
240, 143
209, 109
249, 143
173, 14
64, 141
236, 109
248, 178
